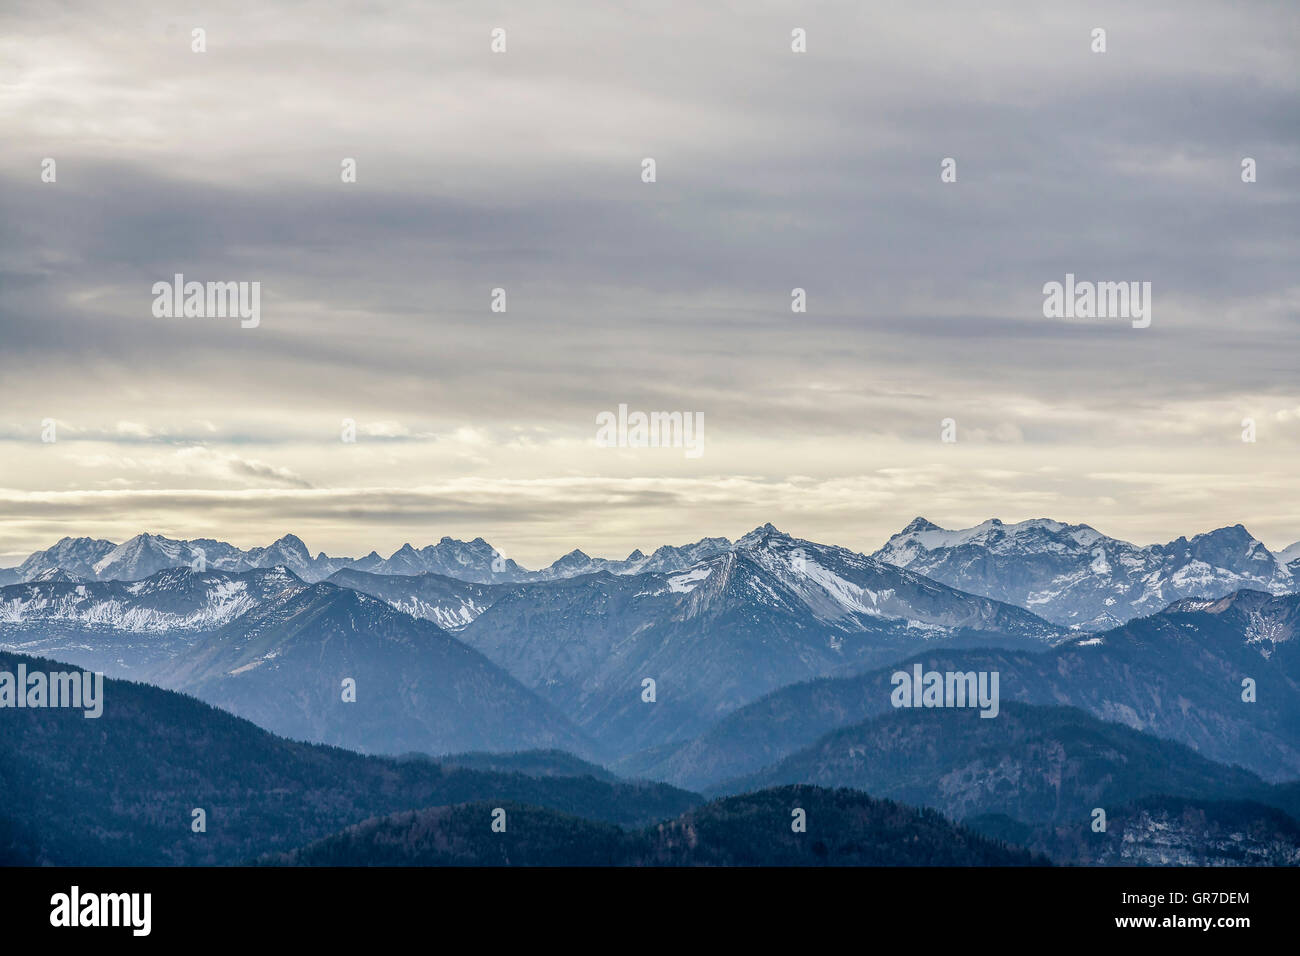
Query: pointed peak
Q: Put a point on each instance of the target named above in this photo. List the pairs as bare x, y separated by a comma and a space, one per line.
918, 524
763, 532
292, 544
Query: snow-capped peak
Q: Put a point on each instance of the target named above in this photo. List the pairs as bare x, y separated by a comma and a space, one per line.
1078, 577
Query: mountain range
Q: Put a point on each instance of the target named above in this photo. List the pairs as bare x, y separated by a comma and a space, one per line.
277, 650
771, 610
121, 789
92, 559
1071, 575
1159, 683
635, 666
1034, 776
269, 646
1075, 576
1177, 675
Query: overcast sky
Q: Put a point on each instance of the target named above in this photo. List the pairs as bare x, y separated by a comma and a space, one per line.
522, 170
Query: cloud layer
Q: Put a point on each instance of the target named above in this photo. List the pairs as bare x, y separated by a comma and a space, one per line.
522, 171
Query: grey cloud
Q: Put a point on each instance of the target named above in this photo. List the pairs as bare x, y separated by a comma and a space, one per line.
775, 171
